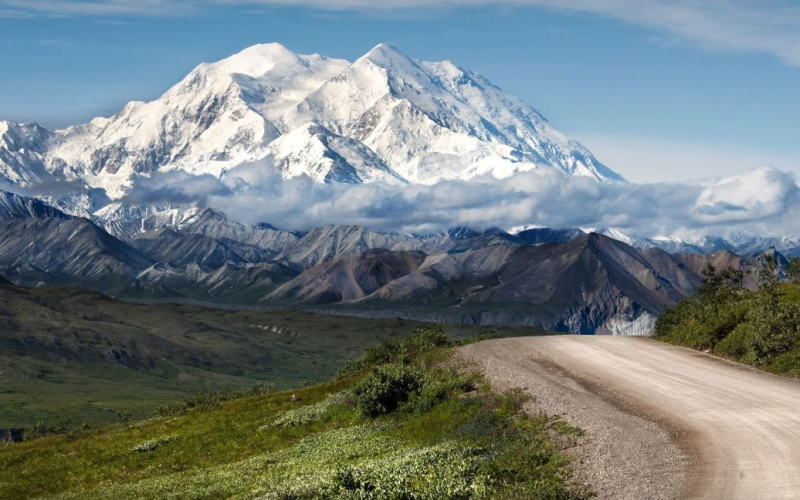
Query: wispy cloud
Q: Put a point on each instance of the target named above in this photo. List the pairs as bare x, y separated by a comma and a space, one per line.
769, 26
765, 26
100, 7
13, 13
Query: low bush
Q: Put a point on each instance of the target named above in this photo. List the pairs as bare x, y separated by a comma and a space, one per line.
446, 471
737, 343
440, 385
386, 388
429, 337
772, 330
399, 428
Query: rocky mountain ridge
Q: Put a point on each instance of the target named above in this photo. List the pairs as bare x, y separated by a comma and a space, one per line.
559, 279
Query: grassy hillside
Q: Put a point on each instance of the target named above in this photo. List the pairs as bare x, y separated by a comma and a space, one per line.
403, 422
760, 328
83, 356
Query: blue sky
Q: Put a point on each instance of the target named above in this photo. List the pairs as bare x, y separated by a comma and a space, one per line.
655, 98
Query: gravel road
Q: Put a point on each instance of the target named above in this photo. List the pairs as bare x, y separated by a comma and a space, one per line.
660, 421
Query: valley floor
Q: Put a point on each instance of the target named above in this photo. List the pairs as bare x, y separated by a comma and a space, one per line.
661, 421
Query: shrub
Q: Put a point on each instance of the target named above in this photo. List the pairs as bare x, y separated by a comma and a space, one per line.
794, 269
444, 471
386, 388
773, 329
423, 339
737, 343
40, 429
488, 335
438, 386
430, 336
756, 327
387, 351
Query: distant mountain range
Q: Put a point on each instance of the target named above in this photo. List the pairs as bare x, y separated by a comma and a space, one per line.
384, 117
562, 279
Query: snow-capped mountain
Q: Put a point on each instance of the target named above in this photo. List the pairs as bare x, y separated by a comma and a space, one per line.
611, 232
436, 121
743, 244
738, 243
385, 117
22, 152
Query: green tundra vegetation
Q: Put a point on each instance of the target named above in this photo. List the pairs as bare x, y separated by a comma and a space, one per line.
760, 328
406, 420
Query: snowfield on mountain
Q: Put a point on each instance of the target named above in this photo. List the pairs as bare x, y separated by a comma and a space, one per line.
385, 117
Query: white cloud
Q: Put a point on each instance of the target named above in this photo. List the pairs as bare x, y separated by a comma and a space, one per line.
761, 201
768, 26
756, 194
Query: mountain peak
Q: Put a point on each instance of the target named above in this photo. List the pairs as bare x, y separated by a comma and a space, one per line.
257, 60
384, 54
384, 48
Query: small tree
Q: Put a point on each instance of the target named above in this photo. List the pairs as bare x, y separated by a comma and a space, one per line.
717, 288
773, 329
794, 269
769, 283
771, 324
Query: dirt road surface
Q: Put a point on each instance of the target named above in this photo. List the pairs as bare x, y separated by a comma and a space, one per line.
660, 421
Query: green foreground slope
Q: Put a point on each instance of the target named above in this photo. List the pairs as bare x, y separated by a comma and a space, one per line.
404, 422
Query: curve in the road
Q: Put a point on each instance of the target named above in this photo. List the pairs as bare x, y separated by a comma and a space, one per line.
738, 429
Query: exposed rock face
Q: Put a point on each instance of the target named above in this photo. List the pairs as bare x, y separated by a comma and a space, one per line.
590, 285
73, 247
349, 278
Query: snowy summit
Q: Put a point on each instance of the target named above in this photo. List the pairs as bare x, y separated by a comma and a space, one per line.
385, 117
